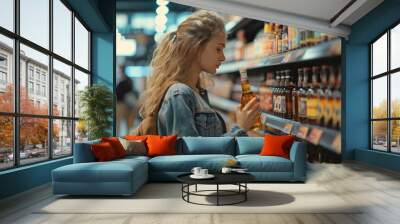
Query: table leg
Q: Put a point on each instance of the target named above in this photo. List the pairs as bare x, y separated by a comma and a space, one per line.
217, 194
245, 193
196, 188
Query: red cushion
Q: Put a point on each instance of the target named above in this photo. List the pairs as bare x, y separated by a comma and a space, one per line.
161, 145
116, 145
136, 137
277, 145
103, 152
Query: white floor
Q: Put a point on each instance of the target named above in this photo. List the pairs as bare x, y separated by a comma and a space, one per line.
377, 189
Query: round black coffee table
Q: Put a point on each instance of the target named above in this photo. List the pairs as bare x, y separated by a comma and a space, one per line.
238, 179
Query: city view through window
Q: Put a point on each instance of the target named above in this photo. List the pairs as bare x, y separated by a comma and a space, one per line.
385, 82
39, 124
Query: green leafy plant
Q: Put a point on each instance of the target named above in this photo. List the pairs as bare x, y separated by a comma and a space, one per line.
96, 102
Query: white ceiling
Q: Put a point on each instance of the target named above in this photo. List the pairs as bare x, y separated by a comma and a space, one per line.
309, 14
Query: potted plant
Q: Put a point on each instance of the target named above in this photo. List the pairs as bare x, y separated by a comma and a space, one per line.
96, 102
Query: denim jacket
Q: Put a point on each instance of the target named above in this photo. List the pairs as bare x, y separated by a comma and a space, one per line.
185, 112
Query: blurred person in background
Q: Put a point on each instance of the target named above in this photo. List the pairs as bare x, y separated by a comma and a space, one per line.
127, 100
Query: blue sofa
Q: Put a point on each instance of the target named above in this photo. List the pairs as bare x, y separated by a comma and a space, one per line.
125, 176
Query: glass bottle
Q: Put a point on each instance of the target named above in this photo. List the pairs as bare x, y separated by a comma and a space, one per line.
283, 88
321, 93
312, 100
303, 96
295, 95
330, 108
247, 95
288, 95
337, 98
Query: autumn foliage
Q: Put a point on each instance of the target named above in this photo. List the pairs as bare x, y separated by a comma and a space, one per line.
33, 131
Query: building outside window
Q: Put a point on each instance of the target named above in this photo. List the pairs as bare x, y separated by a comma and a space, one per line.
57, 140
385, 95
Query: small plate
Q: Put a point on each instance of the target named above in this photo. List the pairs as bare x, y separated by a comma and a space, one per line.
208, 176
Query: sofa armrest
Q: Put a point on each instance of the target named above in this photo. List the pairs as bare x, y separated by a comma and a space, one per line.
83, 152
298, 157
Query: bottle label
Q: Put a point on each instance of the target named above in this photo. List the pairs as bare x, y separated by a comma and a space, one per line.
302, 106
312, 108
283, 104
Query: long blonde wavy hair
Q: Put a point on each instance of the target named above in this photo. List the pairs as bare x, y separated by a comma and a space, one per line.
176, 53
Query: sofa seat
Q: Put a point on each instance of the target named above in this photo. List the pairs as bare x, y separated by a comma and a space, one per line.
118, 177
257, 163
167, 168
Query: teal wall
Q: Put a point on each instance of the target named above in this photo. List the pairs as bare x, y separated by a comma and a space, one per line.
103, 64
356, 82
99, 16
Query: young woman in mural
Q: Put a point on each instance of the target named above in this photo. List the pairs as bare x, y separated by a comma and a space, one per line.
181, 68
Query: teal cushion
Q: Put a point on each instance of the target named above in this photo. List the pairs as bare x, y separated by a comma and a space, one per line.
257, 163
249, 145
83, 152
206, 145
185, 163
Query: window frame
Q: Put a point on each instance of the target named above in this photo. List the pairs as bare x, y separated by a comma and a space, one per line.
16, 114
388, 74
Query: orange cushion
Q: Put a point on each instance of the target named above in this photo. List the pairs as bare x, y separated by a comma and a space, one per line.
116, 145
103, 151
161, 145
136, 137
277, 145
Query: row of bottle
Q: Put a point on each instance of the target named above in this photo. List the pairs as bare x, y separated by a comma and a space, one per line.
314, 99
273, 39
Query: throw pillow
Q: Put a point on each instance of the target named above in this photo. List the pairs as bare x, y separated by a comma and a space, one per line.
277, 145
161, 145
136, 137
134, 147
103, 151
116, 145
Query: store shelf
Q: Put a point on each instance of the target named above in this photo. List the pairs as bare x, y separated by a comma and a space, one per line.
250, 26
323, 50
328, 138
222, 103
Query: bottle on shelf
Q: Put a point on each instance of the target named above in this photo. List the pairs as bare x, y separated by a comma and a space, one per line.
330, 108
337, 98
276, 94
269, 92
302, 102
283, 111
322, 98
263, 89
312, 99
295, 95
288, 95
279, 38
240, 45
248, 95
285, 38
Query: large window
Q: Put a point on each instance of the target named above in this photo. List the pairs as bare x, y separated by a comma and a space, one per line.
44, 64
385, 92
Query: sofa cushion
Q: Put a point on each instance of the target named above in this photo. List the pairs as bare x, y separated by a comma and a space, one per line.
277, 145
83, 152
185, 163
257, 163
103, 152
249, 145
206, 145
112, 171
116, 145
161, 145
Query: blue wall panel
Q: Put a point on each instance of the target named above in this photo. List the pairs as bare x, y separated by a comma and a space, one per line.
24, 178
357, 85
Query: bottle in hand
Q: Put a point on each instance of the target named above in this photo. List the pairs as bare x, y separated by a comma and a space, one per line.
248, 95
